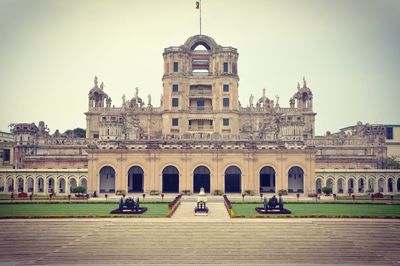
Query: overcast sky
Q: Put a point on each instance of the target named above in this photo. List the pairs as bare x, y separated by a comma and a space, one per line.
349, 52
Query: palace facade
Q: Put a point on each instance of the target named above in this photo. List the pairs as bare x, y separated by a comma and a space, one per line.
200, 136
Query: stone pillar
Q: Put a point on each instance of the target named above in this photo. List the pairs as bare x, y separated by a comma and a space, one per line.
355, 186
385, 185
67, 187
25, 180
45, 185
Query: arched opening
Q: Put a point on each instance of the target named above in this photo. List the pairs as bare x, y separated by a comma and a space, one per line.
61, 185
233, 177
170, 180
296, 180
10, 185
1, 184
350, 185
201, 178
340, 186
398, 184
20, 183
267, 179
83, 183
361, 185
50, 185
371, 185
30, 184
390, 185
381, 185
40, 185
107, 180
135, 179
72, 184
329, 183
318, 186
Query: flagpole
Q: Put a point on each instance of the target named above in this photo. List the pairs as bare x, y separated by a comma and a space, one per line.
200, 15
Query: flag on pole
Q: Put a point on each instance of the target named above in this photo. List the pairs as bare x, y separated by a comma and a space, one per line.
197, 4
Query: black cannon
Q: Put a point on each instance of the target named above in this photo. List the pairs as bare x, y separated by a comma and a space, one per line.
129, 206
270, 206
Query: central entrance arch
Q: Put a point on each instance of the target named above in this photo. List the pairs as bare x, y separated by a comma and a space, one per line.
135, 179
201, 178
267, 179
170, 180
233, 177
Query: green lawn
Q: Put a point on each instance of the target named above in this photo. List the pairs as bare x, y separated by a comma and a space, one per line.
76, 210
322, 210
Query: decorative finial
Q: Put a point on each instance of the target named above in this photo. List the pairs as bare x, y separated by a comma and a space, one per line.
263, 92
102, 85
136, 93
298, 85
277, 100
304, 82
95, 81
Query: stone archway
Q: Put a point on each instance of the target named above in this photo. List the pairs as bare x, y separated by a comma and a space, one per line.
50, 185
20, 184
233, 179
10, 185
61, 185
83, 182
30, 184
170, 180
40, 185
381, 185
267, 179
201, 178
2, 184
135, 179
361, 185
295, 180
107, 180
350, 185
390, 185
340, 186
318, 186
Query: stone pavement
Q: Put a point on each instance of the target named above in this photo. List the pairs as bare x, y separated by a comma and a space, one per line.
215, 239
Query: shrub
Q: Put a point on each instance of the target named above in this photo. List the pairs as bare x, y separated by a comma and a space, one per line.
249, 192
282, 192
327, 190
376, 195
154, 192
120, 192
22, 195
79, 190
187, 192
217, 192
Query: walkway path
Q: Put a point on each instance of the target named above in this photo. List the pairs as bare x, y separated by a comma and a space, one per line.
185, 213
186, 239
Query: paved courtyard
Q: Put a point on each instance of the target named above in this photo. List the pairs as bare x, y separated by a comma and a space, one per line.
185, 239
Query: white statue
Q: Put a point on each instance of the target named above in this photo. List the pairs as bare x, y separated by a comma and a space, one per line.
95, 81
102, 86
277, 100
123, 99
149, 99
251, 99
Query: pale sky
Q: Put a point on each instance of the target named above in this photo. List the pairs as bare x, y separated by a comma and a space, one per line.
349, 52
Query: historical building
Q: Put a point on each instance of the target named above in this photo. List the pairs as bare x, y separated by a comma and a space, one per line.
201, 136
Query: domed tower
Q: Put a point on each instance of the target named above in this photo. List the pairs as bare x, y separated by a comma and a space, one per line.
200, 88
304, 104
98, 100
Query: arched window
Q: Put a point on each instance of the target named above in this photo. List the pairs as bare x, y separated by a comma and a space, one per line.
233, 177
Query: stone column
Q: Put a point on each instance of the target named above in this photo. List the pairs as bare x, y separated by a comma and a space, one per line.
25, 185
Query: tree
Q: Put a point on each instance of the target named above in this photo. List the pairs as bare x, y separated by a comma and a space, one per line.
392, 162
79, 190
327, 190
76, 133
